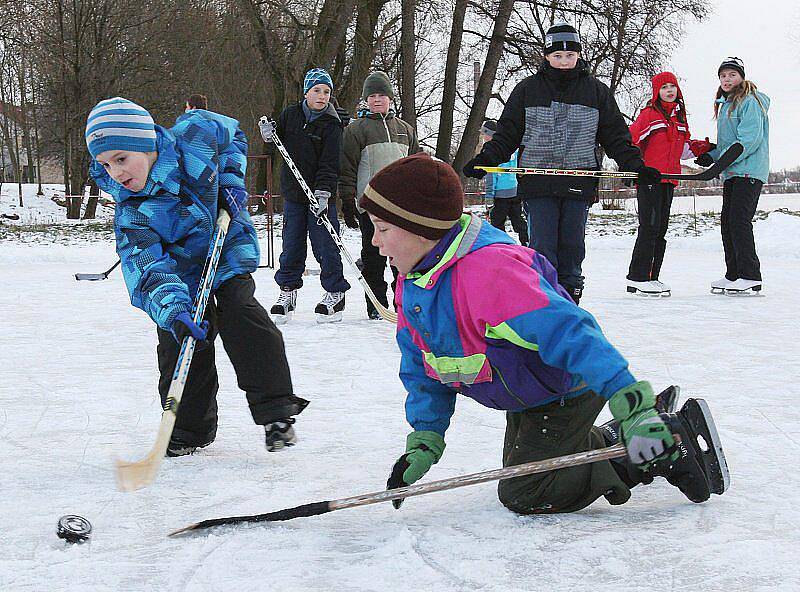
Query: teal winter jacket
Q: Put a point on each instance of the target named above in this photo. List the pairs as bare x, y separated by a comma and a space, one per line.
747, 124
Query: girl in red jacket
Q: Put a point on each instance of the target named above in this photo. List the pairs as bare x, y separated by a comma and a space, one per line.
662, 134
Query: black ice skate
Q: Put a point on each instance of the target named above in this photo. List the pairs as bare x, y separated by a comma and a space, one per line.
281, 311
701, 468
280, 434
330, 308
666, 401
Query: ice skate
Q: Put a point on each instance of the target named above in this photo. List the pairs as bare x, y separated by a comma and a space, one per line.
666, 401
652, 288
743, 287
330, 308
280, 434
281, 311
701, 468
718, 286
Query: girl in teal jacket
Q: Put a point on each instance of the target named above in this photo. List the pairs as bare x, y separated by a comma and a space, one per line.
741, 114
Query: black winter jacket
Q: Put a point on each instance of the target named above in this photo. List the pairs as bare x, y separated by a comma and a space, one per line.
557, 119
315, 148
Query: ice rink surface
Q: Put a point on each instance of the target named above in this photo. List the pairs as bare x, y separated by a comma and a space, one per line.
78, 389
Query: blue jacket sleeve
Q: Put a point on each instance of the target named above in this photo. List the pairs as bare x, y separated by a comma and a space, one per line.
232, 149
750, 131
150, 274
430, 404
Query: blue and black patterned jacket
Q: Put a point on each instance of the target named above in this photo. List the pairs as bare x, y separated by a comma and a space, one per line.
164, 231
558, 119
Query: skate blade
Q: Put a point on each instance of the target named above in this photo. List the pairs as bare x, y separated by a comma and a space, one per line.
334, 318
279, 319
698, 415
718, 290
645, 294
748, 292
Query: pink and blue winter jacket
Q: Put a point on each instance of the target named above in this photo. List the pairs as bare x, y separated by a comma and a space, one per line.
486, 318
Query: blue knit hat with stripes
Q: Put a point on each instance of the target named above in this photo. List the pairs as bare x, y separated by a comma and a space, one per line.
119, 124
316, 76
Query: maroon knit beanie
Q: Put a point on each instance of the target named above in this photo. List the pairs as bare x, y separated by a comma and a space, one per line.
416, 193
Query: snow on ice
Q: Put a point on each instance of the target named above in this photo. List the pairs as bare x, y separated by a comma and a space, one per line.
78, 388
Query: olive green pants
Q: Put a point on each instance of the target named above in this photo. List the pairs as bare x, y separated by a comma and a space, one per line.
557, 430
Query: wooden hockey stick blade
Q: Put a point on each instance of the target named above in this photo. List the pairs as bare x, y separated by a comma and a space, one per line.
136, 475
317, 508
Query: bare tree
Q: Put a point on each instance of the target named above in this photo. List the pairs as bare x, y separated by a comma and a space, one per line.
408, 61
444, 139
469, 140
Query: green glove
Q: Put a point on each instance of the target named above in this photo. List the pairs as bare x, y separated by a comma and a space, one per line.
644, 433
423, 450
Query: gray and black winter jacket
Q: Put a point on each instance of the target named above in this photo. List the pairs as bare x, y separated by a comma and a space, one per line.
558, 119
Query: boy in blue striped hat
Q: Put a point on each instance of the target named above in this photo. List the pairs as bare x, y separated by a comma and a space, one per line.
168, 185
311, 130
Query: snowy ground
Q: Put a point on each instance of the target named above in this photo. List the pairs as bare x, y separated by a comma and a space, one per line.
77, 389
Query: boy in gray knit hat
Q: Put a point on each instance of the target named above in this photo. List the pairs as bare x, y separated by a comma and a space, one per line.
374, 140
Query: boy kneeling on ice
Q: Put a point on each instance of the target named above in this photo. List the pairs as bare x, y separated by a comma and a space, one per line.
483, 317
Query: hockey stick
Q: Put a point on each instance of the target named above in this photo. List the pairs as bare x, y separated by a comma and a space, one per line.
93, 277
317, 508
323, 218
135, 475
725, 160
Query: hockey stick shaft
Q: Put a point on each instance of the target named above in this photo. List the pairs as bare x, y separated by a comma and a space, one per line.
323, 219
135, 475
317, 508
97, 276
726, 159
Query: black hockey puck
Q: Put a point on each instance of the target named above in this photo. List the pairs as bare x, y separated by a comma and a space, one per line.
74, 529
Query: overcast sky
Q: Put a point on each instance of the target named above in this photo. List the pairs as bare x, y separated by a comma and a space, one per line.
766, 35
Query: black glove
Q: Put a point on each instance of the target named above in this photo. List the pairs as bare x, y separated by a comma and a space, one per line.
704, 160
344, 116
470, 170
349, 212
648, 176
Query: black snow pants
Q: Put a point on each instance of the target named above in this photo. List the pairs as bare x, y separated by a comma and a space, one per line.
510, 207
739, 202
654, 202
255, 347
374, 264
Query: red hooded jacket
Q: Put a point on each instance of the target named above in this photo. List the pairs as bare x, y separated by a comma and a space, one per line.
663, 139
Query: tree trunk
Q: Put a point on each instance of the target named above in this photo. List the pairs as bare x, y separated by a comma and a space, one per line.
330, 31
408, 100
469, 140
91, 204
363, 52
444, 140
